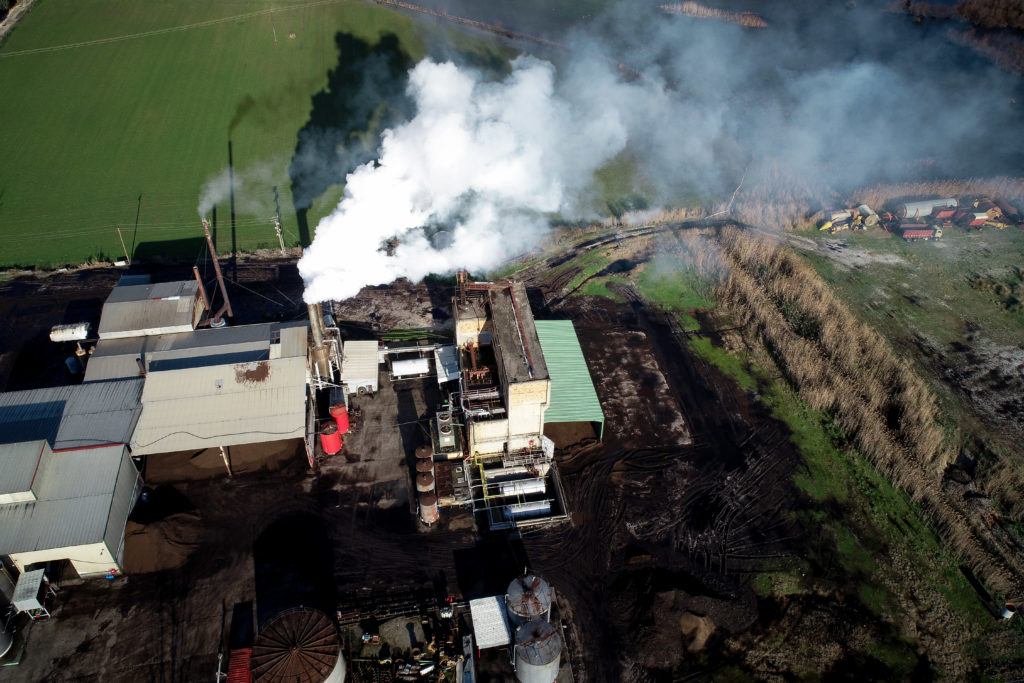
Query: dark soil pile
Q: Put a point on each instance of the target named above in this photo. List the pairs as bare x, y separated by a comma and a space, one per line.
160, 545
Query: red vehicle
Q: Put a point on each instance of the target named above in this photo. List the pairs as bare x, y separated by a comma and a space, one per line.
918, 231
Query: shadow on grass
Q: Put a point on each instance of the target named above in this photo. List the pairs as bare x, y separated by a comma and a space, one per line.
365, 94
169, 251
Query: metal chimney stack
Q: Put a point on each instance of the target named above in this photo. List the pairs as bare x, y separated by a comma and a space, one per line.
320, 354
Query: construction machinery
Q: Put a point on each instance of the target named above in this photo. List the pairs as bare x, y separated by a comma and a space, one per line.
857, 218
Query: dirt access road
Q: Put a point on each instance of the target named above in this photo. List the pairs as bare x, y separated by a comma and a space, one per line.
15, 15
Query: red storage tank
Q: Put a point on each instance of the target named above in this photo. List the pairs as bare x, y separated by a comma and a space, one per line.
339, 411
330, 439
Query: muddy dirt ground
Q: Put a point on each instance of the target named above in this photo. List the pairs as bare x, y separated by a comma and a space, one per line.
683, 498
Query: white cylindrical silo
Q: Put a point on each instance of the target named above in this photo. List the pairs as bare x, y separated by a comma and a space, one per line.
528, 598
538, 652
6, 640
300, 644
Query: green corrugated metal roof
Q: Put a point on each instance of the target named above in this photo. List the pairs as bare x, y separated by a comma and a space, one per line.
573, 398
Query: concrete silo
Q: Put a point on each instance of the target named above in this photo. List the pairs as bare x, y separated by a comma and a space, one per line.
298, 646
6, 639
538, 652
528, 598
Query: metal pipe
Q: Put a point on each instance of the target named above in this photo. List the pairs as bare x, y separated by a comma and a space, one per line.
220, 277
202, 289
320, 354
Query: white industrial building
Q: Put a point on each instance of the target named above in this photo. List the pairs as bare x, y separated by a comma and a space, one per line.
504, 393
359, 371
68, 505
506, 410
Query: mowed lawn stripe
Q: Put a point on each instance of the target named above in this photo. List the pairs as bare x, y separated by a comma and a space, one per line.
88, 130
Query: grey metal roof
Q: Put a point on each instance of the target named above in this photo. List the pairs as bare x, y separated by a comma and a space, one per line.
117, 357
359, 362
573, 397
77, 416
490, 622
515, 335
446, 361
18, 464
140, 309
146, 292
222, 405
26, 592
75, 491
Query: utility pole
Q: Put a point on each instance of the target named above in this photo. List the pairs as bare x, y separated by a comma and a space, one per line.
277, 221
280, 238
127, 256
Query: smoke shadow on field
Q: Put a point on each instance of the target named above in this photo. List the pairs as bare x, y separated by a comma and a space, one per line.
365, 94
157, 251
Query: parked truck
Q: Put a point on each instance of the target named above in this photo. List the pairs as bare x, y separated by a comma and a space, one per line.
913, 232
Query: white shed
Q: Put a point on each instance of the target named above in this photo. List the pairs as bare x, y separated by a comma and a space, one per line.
359, 360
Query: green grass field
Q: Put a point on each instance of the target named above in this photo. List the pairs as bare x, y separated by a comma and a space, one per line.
105, 135
927, 294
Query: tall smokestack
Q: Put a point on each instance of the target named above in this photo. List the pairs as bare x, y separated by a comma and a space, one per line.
316, 326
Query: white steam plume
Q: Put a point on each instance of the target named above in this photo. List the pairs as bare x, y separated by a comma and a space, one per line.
466, 183
215, 191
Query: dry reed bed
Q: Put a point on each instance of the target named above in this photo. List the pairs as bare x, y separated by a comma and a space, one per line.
698, 11
841, 366
1011, 189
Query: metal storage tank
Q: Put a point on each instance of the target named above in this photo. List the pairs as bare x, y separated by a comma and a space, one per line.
425, 467
538, 652
6, 640
424, 482
72, 332
522, 487
923, 208
428, 508
298, 646
537, 508
339, 411
424, 453
330, 439
528, 598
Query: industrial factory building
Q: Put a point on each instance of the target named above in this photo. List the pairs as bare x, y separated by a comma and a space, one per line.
193, 401
69, 505
138, 307
517, 376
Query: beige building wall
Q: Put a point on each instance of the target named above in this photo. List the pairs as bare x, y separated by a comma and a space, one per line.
472, 329
526, 393
526, 420
87, 559
488, 436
